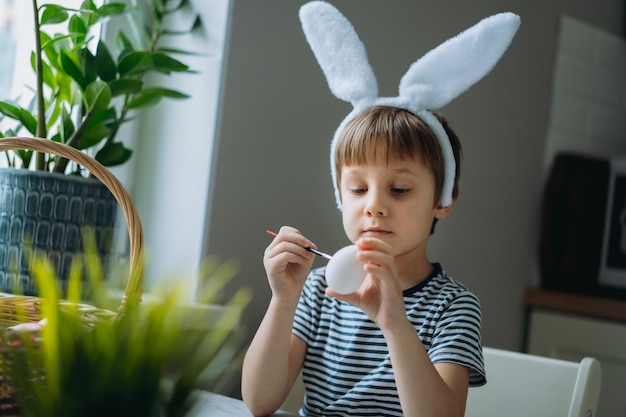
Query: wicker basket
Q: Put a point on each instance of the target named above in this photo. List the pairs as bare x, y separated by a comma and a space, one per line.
11, 305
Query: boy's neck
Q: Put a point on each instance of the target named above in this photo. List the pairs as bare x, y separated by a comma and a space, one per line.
412, 271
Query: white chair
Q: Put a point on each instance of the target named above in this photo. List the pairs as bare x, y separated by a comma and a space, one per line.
520, 384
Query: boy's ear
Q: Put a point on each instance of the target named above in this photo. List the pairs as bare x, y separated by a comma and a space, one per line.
442, 212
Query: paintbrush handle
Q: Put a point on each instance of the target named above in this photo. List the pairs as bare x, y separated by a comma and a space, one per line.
315, 251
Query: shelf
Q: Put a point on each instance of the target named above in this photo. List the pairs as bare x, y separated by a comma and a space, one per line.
605, 308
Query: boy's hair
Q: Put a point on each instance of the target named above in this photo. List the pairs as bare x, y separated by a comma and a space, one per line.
398, 134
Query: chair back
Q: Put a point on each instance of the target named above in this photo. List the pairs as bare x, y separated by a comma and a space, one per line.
520, 384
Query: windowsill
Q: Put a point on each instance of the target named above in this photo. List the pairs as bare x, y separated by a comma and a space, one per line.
192, 316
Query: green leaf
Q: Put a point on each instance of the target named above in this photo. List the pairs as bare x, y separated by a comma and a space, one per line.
197, 24
107, 70
106, 117
93, 134
67, 126
88, 5
144, 100
125, 86
78, 28
24, 155
151, 96
113, 154
169, 51
49, 51
111, 9
66, 92
53, 13
123, 44
97, 96
54, 115
61, 41
48, 77
29, 121
10, 110
166, 64
135, 62
70, 64
169, 93
89, 65
89, 12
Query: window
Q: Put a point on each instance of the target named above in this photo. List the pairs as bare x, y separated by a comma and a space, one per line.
168, 175
8, 39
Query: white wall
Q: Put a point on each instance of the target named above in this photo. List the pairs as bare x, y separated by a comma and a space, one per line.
589, 92
278, 117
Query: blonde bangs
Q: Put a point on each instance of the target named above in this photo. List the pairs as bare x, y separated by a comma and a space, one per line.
389, 133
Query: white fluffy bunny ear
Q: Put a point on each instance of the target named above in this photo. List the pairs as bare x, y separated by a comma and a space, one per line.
454, 66
339, 52
430, 83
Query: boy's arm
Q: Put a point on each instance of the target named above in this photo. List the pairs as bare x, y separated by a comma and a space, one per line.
272, 361
275, 356
425, 389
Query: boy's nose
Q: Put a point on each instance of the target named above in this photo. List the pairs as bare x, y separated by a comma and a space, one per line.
375, 206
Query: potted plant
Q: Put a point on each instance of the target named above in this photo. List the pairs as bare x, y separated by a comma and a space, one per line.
85, 90
142, 363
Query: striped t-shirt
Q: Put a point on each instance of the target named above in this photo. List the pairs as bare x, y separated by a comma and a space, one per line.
347, 369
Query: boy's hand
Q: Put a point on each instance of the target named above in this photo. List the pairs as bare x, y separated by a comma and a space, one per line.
287, 263
380, 295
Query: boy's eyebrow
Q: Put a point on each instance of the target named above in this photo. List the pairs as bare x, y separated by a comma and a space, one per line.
402, 170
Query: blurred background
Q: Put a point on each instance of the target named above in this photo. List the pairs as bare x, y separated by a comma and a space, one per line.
249, 151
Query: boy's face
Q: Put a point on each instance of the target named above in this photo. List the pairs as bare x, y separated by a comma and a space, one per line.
393, 201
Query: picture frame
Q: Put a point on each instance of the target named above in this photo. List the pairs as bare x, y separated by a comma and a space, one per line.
612, 271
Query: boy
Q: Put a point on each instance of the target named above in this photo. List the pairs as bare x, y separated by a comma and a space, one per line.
407, 341
390, 172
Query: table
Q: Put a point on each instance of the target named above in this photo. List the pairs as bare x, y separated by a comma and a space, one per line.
570, 326
209, 404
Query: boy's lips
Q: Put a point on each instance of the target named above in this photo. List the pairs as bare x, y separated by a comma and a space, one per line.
375, 231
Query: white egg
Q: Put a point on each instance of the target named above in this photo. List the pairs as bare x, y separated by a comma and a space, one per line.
344, 273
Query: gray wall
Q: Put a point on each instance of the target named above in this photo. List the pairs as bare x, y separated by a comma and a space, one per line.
278, 116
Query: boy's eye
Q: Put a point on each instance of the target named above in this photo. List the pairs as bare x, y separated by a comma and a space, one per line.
358, 190
400, 190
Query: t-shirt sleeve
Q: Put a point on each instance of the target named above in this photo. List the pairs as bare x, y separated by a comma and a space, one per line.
457, 337
308, 306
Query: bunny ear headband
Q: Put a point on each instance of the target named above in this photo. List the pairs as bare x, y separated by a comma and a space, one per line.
430, 83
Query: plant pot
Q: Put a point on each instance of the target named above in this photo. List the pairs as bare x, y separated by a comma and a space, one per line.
46, 212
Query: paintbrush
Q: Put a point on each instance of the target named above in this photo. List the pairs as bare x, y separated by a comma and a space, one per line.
315, 251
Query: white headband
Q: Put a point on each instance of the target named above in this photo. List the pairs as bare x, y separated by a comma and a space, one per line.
431, 82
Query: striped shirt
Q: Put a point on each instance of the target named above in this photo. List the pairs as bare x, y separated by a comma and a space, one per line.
347, 368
